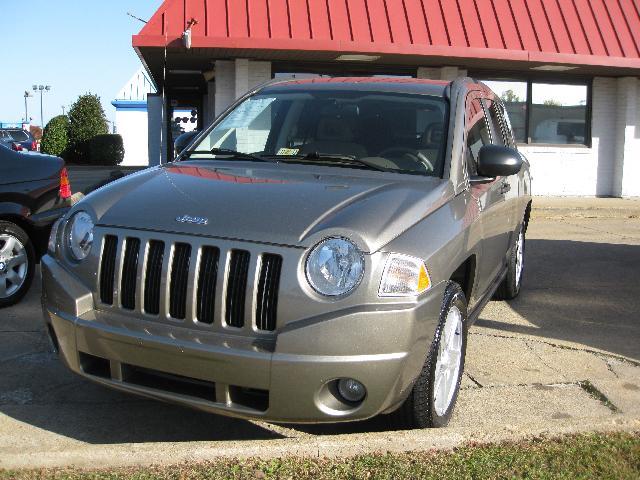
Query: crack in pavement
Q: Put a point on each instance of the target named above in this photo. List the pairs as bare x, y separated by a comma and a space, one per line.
602, 355
602, 231
477, 383
595, 393
539, 357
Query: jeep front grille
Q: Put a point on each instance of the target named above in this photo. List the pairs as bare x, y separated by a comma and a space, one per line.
190, 281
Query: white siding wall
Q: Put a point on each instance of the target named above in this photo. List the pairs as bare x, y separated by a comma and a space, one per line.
134, 128
629, 96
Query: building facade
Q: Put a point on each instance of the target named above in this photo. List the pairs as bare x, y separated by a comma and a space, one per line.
567, 70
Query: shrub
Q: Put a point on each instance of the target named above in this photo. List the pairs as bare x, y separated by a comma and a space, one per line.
55, 138
104, 150
86, 120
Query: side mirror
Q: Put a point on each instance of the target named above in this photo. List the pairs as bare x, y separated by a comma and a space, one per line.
183, 141
498, 161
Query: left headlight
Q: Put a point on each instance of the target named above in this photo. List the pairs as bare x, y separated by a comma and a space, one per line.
335, 267
79, 235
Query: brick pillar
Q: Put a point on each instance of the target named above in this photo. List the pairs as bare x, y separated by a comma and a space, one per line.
235, 77
225, 85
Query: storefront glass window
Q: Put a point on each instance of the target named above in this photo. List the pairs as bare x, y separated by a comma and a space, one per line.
559, 114
545, 112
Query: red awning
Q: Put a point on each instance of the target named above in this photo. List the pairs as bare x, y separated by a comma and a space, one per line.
603, 33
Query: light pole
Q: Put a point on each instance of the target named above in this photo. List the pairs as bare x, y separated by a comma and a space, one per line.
41, 88
62, 109
27, 94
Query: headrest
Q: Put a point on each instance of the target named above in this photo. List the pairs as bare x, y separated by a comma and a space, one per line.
334, 129
433, 134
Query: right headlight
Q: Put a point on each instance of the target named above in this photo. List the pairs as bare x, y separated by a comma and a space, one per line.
79, 235
53, 237
404, 276
335, 267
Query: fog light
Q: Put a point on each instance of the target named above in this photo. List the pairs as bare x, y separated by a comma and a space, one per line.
351, 390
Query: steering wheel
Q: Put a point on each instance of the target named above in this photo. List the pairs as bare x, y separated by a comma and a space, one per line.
413, 155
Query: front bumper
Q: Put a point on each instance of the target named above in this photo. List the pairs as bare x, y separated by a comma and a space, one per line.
288, 379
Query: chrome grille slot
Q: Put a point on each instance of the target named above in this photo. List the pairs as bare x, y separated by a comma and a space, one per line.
129, 273
236, 288
153, 277
178, 282
207, 280
108, 269
267, 298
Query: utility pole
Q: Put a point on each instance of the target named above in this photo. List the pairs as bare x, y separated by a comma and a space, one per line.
27, 94
41, 89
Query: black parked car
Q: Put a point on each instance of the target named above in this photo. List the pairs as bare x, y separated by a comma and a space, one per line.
6, 140
20, 137
34, 189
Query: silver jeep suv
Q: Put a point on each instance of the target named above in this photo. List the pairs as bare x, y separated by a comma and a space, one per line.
316, 255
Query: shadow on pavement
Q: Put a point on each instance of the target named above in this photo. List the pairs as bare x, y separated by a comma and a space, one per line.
582, 292
574, 291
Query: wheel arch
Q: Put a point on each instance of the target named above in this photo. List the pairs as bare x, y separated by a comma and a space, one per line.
28, 228
465, 275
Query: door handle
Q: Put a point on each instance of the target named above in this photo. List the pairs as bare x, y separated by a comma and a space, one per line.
505, 187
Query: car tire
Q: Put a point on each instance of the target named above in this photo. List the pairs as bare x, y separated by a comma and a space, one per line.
428, 405
510, 287
17, 263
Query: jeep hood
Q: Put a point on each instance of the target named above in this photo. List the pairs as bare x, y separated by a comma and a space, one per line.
285, 204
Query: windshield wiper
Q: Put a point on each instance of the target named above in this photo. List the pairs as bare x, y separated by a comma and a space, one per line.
228, 152
337, 158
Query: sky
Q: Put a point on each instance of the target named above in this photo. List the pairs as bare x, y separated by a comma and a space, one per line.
75, 46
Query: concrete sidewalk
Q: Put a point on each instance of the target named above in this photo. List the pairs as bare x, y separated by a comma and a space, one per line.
562, 358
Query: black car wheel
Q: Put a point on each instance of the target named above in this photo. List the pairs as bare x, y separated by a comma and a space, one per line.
434, 394
510, 286
17, 263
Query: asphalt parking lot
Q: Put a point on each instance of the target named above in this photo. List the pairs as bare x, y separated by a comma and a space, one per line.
563, 357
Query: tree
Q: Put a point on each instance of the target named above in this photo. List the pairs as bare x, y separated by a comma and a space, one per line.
55, 138
509, 96
552, 103
86, 120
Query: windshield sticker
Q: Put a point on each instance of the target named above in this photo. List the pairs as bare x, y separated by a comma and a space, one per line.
288, 151
246, 113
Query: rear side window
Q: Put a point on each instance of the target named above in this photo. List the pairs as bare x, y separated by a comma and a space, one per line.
18, 135
496, 123
477, 134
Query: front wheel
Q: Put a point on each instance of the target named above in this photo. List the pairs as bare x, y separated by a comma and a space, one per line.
434, 394
17, 263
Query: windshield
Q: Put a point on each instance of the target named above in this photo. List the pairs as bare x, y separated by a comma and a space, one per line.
18, 135
386, 131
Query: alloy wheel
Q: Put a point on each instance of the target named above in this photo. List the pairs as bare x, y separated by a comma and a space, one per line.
448, 362
14, 264
519, 257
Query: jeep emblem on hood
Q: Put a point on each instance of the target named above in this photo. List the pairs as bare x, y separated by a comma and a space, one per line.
193, 220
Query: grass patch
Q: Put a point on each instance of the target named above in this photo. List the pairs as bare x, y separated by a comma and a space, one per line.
614, 456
